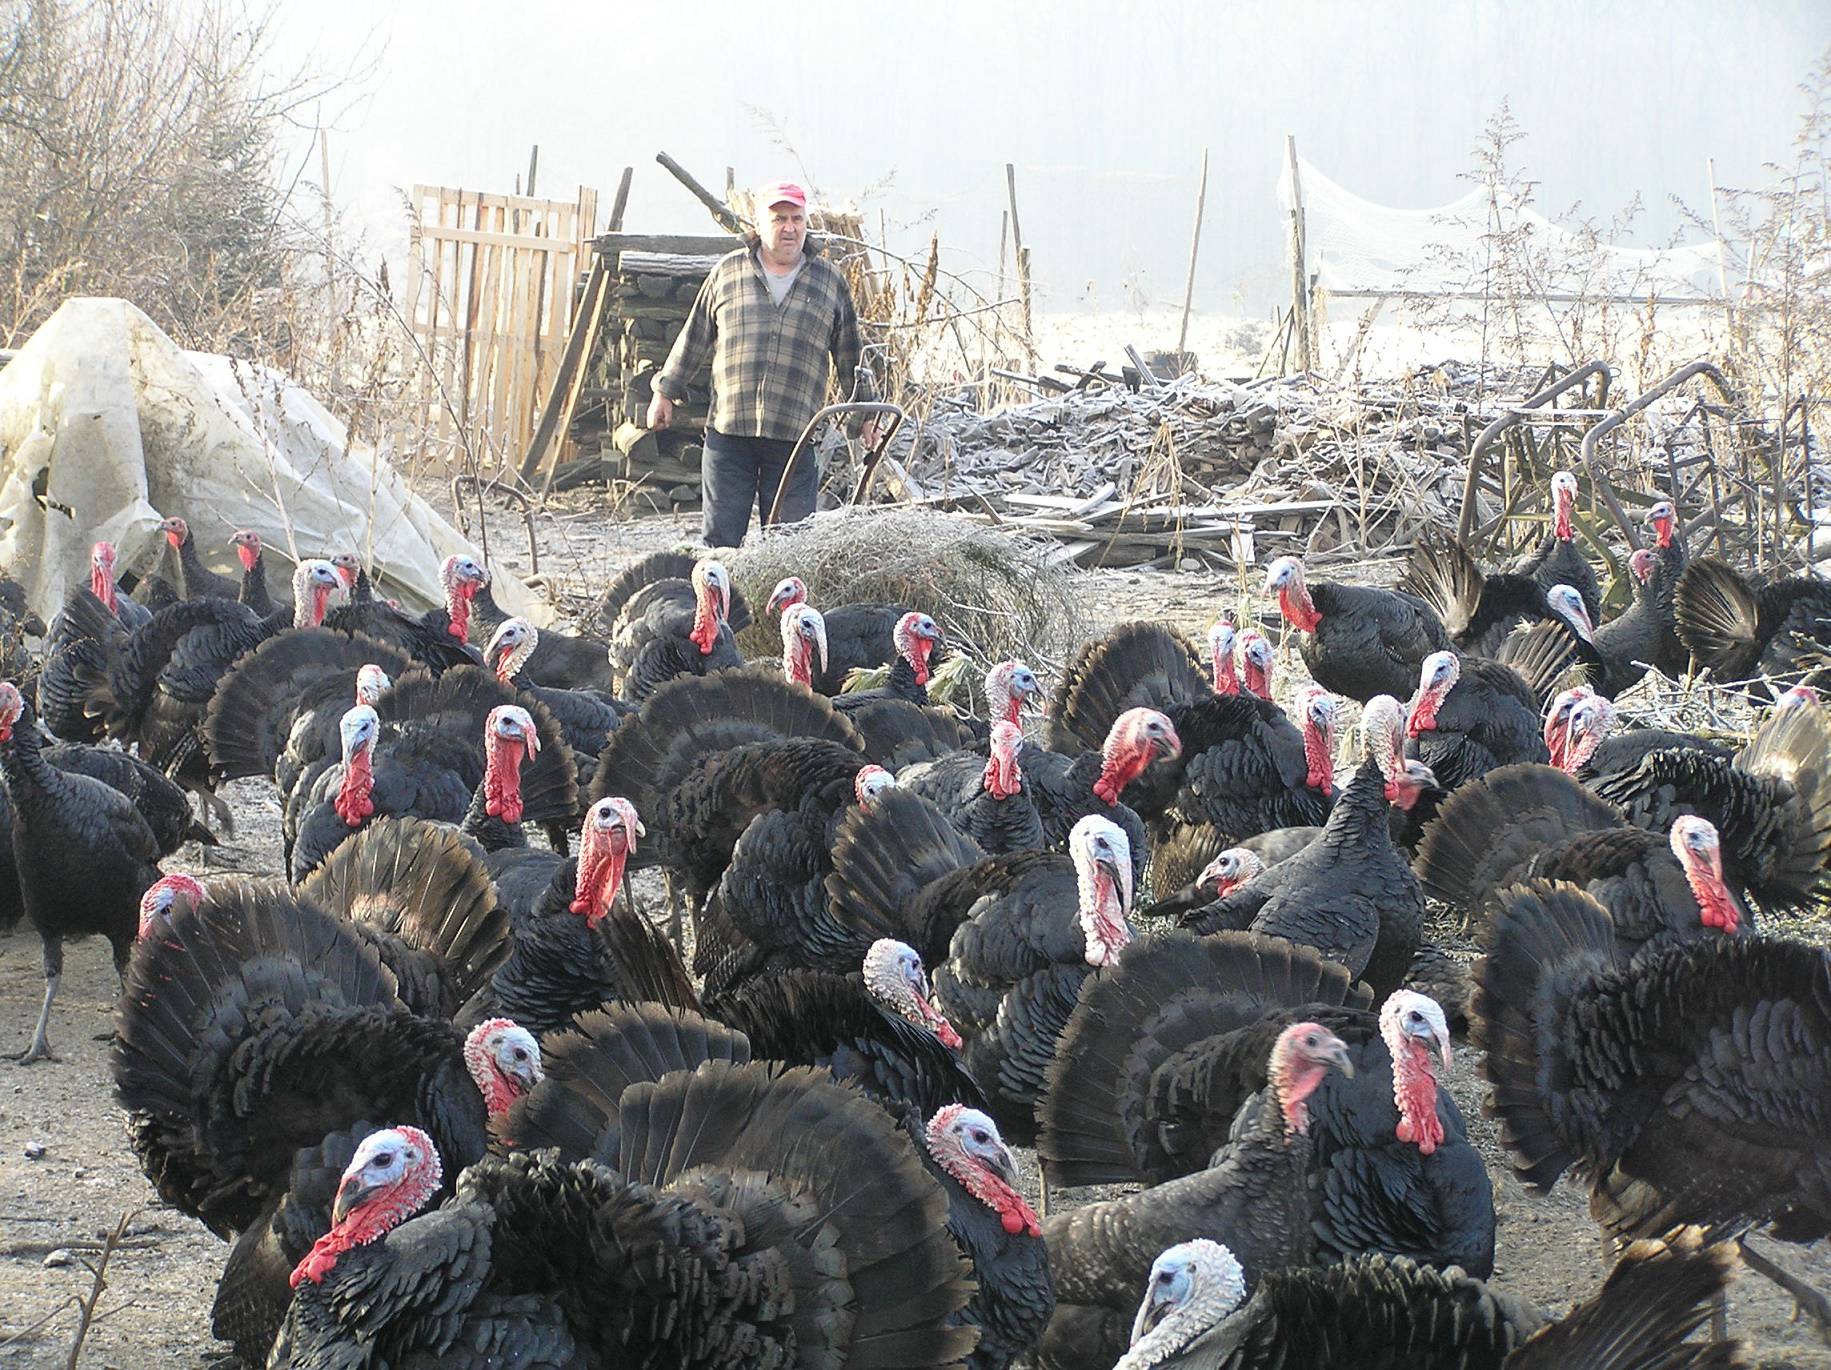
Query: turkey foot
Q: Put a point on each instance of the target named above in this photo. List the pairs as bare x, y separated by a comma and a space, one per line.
216, 813
40, 1049
1807, 1301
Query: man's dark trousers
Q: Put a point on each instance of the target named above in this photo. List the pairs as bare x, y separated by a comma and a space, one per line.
738, 472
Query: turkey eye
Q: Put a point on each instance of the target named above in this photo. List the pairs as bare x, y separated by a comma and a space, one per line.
1164, 1277
382, 1160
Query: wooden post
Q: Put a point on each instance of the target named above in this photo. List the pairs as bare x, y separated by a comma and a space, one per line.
533, 166
324, 180
1022, 255
1716, 229
727, 220
1195, 246
621, 203
1300, 276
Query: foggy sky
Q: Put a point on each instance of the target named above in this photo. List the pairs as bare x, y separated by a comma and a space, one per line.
1104, 108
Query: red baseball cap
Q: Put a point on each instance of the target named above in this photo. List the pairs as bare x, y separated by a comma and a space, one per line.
782, 192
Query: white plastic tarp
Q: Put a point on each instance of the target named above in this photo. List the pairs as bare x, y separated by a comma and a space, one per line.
107, 426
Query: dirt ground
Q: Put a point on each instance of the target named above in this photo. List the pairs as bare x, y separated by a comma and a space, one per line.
67, 1176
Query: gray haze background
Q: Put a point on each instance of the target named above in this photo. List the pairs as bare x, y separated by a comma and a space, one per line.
1104, 107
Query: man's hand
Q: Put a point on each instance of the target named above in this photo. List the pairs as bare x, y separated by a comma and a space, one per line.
660, 411
867, 432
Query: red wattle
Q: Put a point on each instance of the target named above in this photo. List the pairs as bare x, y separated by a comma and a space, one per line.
247, 555
353, 802
457, 609
321, 596
1300, 613
101, 585
502, 780
922, 648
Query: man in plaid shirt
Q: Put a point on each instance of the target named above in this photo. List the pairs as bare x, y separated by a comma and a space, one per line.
770, 316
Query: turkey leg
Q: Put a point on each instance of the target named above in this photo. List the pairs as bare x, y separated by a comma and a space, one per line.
1808, 1302
40, 1049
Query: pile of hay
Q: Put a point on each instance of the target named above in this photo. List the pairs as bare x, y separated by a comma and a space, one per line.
994, 593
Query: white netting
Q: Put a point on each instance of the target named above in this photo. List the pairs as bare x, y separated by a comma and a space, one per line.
1356, 245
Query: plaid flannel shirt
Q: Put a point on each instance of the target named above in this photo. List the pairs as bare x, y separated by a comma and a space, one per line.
769, 361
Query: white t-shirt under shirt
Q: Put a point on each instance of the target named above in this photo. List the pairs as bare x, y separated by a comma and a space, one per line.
778, 285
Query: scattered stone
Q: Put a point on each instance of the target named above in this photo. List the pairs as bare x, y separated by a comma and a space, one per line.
34, 1151
58, 1259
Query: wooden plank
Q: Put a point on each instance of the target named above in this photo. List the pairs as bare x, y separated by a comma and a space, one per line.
691, 244
519, 240
568, 376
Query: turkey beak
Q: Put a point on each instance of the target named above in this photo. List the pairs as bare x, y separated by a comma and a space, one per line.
999, 1162
1151, 1312
351, 1195
1336, 1053
1121, 875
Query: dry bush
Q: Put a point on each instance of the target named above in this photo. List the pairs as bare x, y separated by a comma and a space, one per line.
994, 593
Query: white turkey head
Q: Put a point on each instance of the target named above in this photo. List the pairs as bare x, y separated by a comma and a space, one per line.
1564, 505
1568, 605
894, 977
1410, 783
1413, 1027
915, 637
510, 646
504, 1061
1699, 850
1228, 871
1003, 779
1590, 721
316, 590
359, 729
803, 643
165, 899
1102, 857
1799, 697
789, 591
1664, 519
462, 577
1383, 738
371, 684
1557, 722
1007, 686
1136, 739
869, 783
711, 604
1222, 639
1640, 565
12, 705
1436, 678
1257, 656
509, 742
1300, 1058
1192, 1286
965, 1143
605, 846
1284, 578
394, 1173
1316, 709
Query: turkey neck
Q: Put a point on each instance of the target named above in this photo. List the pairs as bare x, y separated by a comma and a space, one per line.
254, 582
1361, 814
493, 833
22, 759
196, 574
903, 683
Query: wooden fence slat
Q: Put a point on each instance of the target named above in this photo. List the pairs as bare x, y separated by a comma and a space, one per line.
490, 297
